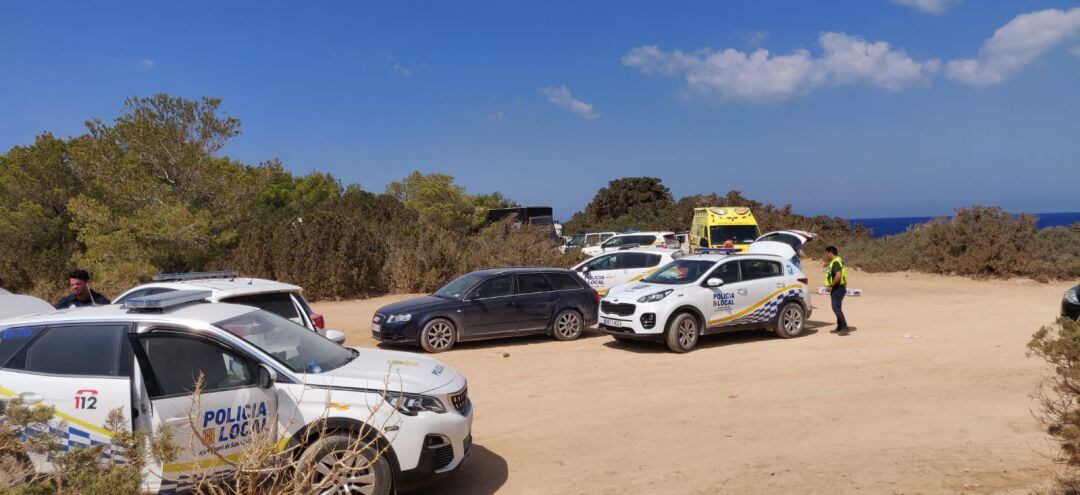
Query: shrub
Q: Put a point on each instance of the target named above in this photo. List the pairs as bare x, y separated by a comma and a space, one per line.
1059, 395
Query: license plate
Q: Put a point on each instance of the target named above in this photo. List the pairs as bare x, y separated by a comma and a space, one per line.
611, 323
375, 327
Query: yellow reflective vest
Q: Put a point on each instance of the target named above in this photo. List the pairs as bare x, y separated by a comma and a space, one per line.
829, 272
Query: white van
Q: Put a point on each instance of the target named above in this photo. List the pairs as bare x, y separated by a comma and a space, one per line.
261, 371
608, 270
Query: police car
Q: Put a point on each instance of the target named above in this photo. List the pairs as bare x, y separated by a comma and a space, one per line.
608, 270
630, 240
261, 371
709, 293
284, 300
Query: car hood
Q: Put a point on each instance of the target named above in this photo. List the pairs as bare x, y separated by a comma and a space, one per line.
13, 306
376, 369
629, 293
414, 304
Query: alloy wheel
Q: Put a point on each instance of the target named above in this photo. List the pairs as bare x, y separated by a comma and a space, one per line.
792, 320
568, 325
353, 476
440, 335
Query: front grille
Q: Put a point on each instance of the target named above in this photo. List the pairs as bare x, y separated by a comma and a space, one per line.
622, 309
444, 455
461, 400
378, 319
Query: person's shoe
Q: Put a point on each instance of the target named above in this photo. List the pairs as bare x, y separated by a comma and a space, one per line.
843, 331
836, 330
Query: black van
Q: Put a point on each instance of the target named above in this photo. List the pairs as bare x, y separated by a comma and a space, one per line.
488, 304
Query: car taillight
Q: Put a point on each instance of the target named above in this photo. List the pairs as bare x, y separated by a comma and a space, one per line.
804, 280
317, 319
596, 295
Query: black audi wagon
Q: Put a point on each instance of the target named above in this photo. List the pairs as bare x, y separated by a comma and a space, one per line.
487, 304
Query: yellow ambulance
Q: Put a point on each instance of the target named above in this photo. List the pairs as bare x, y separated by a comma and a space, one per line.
723, 227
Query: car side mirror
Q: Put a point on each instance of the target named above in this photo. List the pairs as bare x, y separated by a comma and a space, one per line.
584, 269
714, 282
336, 336
266, 377
472, 297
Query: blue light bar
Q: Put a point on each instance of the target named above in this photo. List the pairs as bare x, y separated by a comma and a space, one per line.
176, 277
166, 299
716, 251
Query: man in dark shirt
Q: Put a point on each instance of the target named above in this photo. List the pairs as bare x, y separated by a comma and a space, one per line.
836, 281
81, 293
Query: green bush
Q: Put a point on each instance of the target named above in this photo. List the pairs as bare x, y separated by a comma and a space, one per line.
1059, 395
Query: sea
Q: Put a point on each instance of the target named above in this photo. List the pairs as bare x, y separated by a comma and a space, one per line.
881, 227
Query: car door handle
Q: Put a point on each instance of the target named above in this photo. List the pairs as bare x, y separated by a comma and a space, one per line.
511, 305
31, 397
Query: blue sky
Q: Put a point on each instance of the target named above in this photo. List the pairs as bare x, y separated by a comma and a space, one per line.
547, 101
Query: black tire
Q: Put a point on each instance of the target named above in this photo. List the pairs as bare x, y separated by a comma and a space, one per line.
371, 471
567, 325
790, 320
682, 333
438, 335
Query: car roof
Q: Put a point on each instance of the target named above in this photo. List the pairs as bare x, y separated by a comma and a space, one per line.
223, 287
202, 312
721, 257
519, 269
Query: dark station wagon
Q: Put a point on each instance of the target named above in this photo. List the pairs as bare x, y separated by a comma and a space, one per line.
489, 304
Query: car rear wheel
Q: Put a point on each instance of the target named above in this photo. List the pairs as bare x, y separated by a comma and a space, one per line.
340, 463
683, 333
790, 321
568, 325
438, 335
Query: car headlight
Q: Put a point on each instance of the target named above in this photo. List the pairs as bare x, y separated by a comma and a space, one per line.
1071, 296
655, 296
411, 404
399, 318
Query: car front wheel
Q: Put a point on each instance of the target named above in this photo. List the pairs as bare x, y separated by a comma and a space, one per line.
340, 463
683, 333
438, 335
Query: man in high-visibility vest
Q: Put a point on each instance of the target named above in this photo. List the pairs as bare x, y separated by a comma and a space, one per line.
836, 281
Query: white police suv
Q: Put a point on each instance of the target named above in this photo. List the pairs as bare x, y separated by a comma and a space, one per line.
260, 371
608, 270
705, 294
284, 300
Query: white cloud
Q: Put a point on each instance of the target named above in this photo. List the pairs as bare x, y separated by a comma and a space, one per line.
936, 7
758, 76
146, 64
561, 97
756, 38
402, 71
497, 116
1015, 45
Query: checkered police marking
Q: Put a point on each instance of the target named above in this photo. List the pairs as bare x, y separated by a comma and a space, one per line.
768, 310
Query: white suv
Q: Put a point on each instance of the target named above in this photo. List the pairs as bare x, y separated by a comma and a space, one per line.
608, 270
284, 300
260, 371
706, 294
632, 240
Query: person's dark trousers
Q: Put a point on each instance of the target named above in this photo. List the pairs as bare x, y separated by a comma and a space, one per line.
837, 295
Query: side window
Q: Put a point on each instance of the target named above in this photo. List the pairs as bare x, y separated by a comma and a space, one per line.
176, 362
728, 272
614, 242
529, 283
606, 262
12, 340
496, 287
648, 240
563, 281
278, 303
633, 260
755, 269
85, 350
653, 260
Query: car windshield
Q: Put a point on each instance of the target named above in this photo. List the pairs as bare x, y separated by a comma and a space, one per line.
738, 234
577, 241
294, 346
456, 287
680, 272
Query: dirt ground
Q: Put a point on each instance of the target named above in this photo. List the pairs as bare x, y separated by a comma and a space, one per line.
930, 395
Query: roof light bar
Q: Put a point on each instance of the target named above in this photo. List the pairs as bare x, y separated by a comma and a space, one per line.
176, 277
166, 299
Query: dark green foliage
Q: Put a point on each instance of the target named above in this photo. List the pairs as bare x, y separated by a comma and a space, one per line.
1059, 395
637, 202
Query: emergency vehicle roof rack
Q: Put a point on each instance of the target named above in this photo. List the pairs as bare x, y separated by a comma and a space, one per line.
716, 251
177, 277
165, 300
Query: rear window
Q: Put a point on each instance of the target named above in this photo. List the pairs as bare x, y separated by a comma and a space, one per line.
84, 350
563, 281
279, 303
638, 260
755, 269
12, 340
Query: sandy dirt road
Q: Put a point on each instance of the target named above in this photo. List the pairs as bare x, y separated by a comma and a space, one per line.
929, 395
